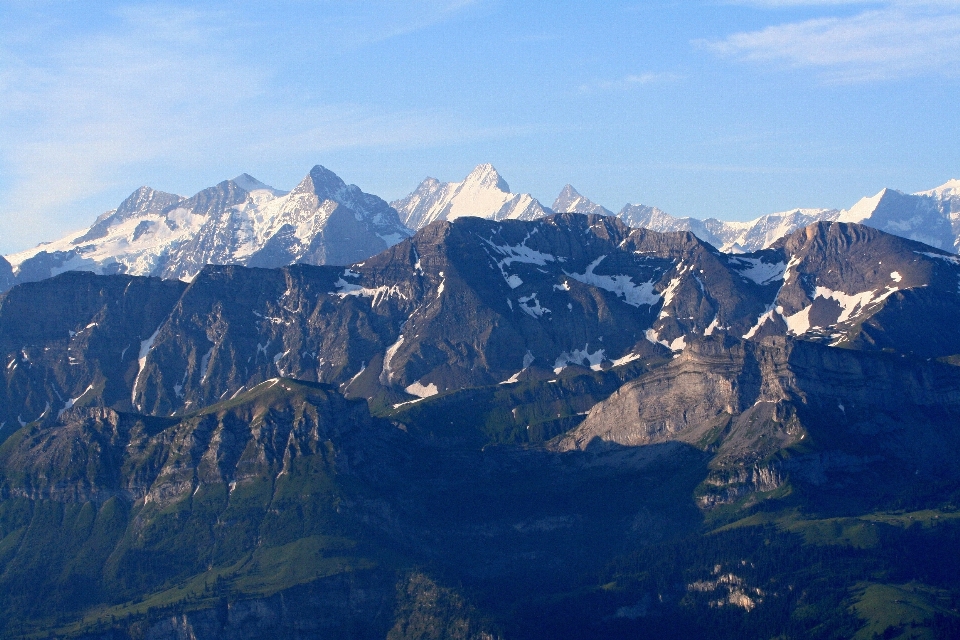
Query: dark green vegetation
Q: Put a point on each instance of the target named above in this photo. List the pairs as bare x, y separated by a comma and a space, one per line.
290, 506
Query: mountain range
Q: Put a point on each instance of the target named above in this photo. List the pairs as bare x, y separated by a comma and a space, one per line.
492, 427
239, 221
324, 221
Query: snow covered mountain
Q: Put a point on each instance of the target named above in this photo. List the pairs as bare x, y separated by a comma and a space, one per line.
741, 237
483, 194
570, 201
240, 221
931, 217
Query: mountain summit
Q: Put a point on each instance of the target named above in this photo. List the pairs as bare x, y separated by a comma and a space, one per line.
483, 193
240, 221
570, 201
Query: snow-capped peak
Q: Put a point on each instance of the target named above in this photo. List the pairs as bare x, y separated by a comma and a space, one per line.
239, 221
250, 184
950, 189
570, 201
323, 183
485, 176
863, 209
483, 193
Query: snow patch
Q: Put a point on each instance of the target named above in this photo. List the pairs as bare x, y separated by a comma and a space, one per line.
937, 256
521, 253
421, 391
205, 365
578, 357
713, 326
513, 281
621, 285
145, 347
853, 304
392, 238
758, 271
766, 315
72, 401
378, 294
527, 361
797, 323
386, 374
630, 357
531, 306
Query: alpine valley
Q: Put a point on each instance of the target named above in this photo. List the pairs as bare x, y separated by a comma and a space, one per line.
258, 414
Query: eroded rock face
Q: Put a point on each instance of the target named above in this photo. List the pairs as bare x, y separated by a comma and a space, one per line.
94, 454
749, 401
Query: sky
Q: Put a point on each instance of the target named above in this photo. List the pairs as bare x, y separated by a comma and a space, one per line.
727, 109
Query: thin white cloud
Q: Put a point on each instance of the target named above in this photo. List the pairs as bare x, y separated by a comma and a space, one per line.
776, 4
906, 38
359, 23
630, 80
163, 88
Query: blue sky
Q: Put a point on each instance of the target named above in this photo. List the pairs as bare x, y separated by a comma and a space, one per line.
719, 108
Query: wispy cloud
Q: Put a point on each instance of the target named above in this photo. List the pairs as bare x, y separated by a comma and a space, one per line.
775, 4
631, 80
358, 23
898, 39
166, 88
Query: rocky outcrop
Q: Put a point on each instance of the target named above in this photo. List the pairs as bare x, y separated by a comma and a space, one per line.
6, 275
778, 406
95, 454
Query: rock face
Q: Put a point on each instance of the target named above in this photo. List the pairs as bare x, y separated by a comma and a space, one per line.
240, 221
724, 382
462, 304
95, 454
782, 407
483, 194
73, 339
6, 275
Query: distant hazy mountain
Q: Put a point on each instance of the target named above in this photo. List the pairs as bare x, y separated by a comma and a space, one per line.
931, 217
570, 201
483, 193
239, 221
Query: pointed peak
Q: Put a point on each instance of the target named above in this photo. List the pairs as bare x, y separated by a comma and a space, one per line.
325, 180
248, 183
571, 201
486, 175
569, 192
322, 182
428, 184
